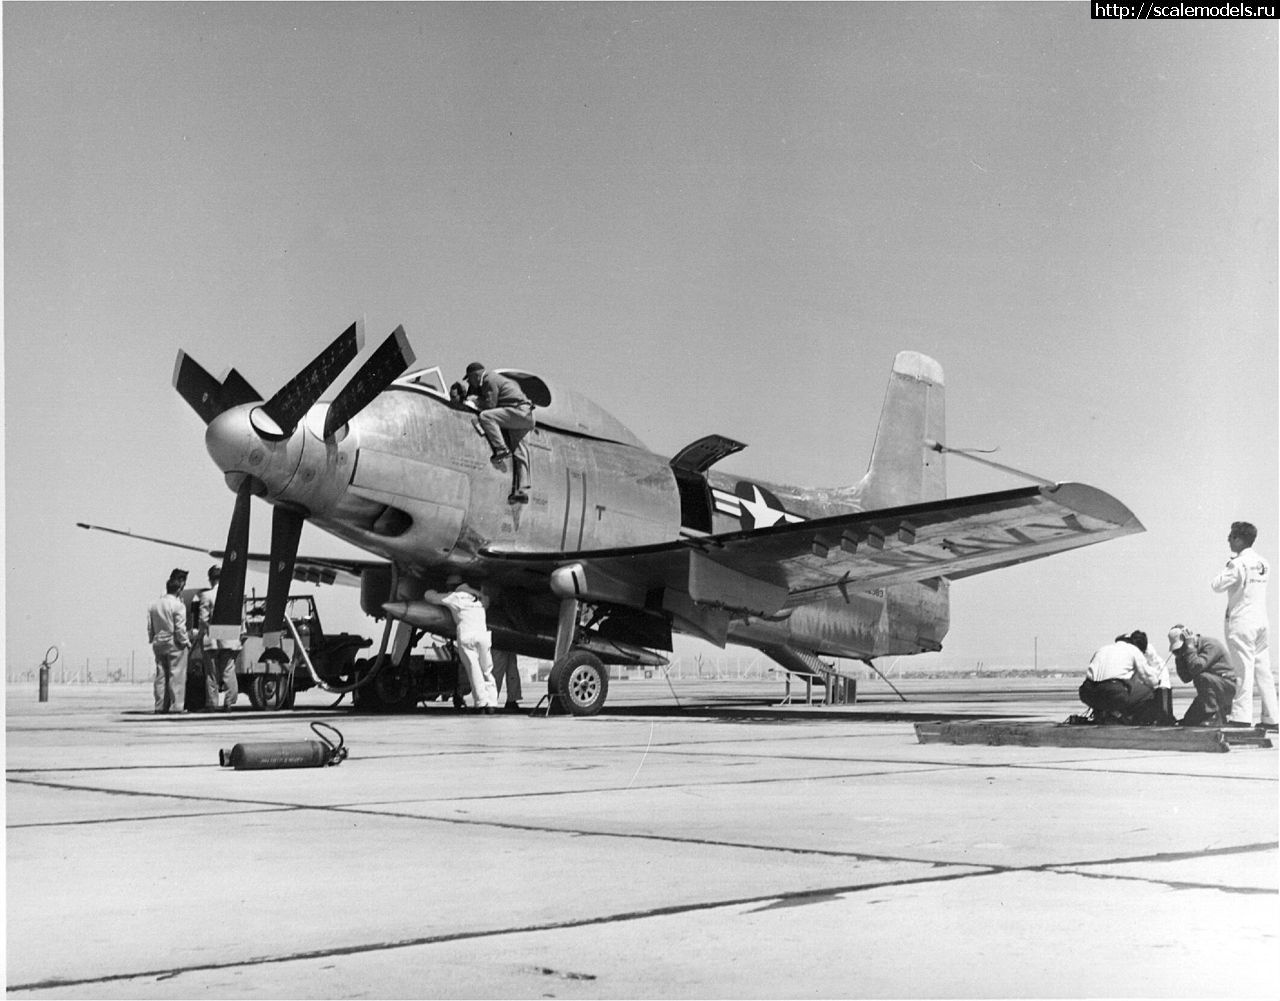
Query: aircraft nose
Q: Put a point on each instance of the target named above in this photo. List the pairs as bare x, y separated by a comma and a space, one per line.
239, 450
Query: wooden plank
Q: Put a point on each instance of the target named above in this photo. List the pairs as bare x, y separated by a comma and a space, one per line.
1146, 738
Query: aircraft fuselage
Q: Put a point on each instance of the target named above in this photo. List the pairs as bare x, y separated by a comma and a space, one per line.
410, 480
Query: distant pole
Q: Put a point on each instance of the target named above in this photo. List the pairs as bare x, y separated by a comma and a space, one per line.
1037, 653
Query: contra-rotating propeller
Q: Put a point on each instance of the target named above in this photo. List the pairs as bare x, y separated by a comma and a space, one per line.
275, 421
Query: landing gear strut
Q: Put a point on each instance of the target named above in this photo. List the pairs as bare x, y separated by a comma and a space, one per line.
578, 679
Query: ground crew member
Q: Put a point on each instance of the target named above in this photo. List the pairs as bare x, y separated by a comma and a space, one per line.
170, 641
1245, 581
466, 605
1203, 662
504, 407
219, 655
1119, 685
1160, 710
506, 667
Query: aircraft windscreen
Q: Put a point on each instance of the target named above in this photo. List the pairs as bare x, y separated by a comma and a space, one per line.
430, 379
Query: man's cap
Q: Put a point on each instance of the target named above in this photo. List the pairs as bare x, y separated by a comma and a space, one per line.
475, 366
1177, 636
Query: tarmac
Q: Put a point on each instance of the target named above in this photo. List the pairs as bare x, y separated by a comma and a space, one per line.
694, 841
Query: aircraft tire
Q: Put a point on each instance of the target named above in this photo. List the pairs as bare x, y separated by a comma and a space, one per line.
394, 689
271, 692
580, 681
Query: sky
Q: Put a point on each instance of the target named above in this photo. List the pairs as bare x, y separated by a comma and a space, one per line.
710, 218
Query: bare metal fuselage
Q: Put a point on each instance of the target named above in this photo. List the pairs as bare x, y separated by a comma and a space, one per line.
410, 480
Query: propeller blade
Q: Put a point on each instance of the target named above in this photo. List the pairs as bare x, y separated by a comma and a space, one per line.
228, 609
386, 364
286, 530
300, 393
201, 390
207, 396
236, 390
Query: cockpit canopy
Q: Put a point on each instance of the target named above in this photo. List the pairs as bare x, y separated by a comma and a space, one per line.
554, 406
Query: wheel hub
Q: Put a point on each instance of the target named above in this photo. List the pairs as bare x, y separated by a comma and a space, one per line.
584, 685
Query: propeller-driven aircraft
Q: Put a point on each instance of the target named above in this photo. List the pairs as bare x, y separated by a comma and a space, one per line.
618, 547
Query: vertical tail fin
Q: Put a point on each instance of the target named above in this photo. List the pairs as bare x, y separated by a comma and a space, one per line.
903, 470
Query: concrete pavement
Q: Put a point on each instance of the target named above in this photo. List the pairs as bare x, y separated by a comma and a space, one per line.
726, 848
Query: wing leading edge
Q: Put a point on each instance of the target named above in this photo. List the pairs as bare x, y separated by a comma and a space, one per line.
770, 570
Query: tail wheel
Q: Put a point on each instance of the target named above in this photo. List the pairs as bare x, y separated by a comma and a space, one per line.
580, 681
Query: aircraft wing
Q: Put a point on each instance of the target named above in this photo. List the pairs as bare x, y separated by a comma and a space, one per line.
311, 569
772, 569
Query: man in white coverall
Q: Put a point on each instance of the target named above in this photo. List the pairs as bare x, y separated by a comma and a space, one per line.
1245, 582
466, 605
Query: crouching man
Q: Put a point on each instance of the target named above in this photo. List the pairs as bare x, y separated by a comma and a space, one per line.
1119, 685
1205, 663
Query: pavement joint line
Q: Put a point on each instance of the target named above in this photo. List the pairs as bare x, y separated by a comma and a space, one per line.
814, 895
152, 817
1172, 884
1184, 856
365, 810
1064, 868
427, 940
160, 795
856, 856
272, 805
920, 766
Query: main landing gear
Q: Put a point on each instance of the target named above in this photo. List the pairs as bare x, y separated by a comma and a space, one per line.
579, 681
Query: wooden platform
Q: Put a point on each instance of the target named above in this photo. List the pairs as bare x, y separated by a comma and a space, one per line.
1144, 738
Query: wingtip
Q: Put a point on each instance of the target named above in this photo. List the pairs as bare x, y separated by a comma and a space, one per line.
1094, 503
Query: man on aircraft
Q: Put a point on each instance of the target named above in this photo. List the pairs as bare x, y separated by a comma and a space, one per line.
504, 407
